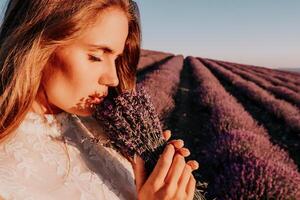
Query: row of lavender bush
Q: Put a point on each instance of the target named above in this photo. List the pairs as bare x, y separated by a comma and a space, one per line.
226, 113
279, 91
284, 76
267, 75
281, 109
242, 174
162, 84
149, 58
240, 160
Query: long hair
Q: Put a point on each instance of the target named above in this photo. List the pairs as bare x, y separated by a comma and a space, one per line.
29, 35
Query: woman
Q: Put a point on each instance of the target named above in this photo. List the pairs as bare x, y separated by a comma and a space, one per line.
58, 59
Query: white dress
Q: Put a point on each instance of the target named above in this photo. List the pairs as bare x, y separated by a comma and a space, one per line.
34, 164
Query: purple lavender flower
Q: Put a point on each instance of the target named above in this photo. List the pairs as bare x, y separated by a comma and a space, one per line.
133, 126
238, 171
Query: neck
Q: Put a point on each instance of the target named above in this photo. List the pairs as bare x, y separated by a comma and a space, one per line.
42, 106
42, 109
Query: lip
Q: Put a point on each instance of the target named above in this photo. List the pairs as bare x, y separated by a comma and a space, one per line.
97, 100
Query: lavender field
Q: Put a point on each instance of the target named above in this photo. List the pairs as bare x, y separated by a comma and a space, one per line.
241, 122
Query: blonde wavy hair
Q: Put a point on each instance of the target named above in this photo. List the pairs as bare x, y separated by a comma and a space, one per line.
30, 33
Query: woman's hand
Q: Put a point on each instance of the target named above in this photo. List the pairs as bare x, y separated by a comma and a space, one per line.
171, 178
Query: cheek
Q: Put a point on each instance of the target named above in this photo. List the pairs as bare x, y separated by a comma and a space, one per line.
71, 82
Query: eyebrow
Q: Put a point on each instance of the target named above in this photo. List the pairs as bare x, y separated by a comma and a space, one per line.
104, 47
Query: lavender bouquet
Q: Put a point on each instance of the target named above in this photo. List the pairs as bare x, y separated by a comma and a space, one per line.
133, 126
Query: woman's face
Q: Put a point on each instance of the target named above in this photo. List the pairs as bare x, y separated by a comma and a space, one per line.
82, 71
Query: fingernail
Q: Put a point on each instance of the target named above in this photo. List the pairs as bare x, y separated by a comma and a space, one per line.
188, 151
134, 158
196, 164
182, 142
174, 141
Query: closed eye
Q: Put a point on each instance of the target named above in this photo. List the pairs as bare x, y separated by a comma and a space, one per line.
94, 58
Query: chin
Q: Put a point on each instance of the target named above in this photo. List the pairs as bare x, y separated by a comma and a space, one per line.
86, 113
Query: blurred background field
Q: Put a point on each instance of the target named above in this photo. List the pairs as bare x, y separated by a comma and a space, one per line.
241, 122
225, 77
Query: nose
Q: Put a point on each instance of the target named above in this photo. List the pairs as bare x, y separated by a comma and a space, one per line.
110, 76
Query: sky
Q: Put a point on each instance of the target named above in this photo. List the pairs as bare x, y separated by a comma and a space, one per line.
258, 32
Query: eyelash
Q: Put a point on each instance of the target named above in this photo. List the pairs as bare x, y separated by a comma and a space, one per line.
94, 58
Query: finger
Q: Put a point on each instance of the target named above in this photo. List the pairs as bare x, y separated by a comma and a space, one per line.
184, 152
184, 178
139, 172
161, 169
177, 143
167, 134
176, 169
194, 164
190, 188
